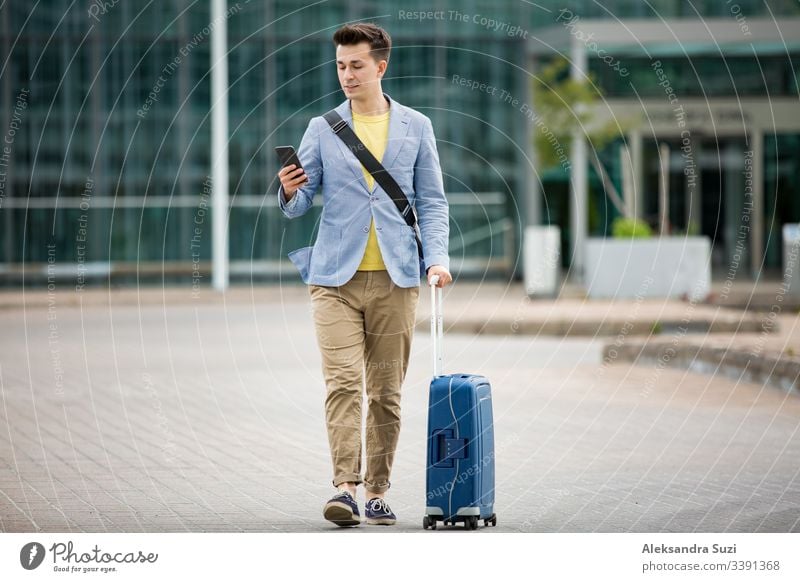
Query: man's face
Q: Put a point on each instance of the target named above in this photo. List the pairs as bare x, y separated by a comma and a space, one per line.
359, 73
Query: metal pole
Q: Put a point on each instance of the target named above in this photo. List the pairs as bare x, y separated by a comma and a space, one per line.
219, 146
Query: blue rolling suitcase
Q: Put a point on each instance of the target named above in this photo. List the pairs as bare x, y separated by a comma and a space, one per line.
460, 465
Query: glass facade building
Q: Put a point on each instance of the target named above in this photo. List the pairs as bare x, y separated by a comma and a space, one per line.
106, 121
718, 84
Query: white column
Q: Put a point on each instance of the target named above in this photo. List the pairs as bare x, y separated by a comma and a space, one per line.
533, 202
637, 169
579, 176
663, 189
694, 189
628, 189
219, 145
757, 215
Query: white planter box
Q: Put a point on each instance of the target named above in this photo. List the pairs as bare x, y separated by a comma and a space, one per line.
541, 256
653, 267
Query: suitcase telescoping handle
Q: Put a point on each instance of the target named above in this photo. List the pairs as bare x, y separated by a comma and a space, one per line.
437, 325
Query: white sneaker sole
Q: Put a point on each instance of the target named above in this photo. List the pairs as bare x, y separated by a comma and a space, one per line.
381, 521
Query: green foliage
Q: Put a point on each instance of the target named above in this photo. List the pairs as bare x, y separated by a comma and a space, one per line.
630, 228
564, 106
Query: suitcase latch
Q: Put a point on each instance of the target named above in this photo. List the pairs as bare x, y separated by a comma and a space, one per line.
455, 449
447, 449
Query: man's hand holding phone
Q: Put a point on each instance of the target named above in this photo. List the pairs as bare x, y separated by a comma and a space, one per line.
291, 175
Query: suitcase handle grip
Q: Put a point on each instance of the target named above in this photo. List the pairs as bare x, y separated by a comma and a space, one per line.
437, 324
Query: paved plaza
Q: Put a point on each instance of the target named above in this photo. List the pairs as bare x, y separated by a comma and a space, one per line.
153, 411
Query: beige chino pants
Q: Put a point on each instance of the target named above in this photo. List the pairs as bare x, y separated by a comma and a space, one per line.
366, 324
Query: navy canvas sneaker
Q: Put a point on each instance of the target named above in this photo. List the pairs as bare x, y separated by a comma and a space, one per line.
378, 512
342, 510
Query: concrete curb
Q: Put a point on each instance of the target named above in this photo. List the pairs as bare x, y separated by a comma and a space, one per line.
775, 369
598, 327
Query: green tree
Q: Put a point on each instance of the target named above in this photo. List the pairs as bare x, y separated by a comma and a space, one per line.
565, 106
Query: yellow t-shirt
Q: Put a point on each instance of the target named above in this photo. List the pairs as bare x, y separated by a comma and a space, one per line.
373, 130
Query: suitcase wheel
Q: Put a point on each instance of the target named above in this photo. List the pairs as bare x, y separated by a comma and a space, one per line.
490, 521
471, 522
428, 522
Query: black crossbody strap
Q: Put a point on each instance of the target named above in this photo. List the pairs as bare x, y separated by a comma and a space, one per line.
374, 167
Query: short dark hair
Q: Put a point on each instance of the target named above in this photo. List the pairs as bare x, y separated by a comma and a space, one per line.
380, 42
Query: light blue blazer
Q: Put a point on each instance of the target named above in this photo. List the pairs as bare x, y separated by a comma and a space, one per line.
348, 205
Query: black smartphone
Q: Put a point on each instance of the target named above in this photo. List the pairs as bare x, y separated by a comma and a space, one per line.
287, 156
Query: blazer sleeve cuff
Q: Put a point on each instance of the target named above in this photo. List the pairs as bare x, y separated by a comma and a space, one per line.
285, 206
442, 260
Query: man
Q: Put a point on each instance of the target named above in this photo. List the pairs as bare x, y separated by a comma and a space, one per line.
363, 271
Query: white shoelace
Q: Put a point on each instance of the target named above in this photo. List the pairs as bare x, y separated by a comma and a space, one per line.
379, 505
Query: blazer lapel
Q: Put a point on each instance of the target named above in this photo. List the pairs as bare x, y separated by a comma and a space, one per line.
399, 124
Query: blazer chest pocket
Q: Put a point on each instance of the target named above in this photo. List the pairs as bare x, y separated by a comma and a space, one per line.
405, 160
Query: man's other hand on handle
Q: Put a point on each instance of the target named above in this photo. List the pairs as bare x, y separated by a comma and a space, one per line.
444, 275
